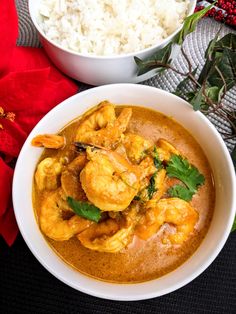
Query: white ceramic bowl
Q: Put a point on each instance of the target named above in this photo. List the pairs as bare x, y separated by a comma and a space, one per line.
92, 69
206, 135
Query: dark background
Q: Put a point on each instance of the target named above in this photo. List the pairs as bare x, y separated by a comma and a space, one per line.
26, 287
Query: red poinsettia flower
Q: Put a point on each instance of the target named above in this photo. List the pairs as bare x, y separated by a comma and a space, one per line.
29, 87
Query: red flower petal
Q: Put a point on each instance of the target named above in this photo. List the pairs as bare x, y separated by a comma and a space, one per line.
12, 138
8, 32
29, 58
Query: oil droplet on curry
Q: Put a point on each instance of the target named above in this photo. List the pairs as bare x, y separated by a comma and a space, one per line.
123, 194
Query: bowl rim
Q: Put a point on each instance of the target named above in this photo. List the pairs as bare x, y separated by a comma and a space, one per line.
191, 9
148, 295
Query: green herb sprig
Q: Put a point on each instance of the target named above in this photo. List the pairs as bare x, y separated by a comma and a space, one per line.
180, 191
179, 167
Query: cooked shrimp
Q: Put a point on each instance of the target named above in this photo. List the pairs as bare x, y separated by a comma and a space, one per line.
136, 146
52, 222
147, 167
165, 150
158, 187
110, 236
47, 174
172, 210
49, 141
109, 180
102, 127
70, 181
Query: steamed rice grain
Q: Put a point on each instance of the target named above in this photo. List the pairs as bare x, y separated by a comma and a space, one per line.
110, 27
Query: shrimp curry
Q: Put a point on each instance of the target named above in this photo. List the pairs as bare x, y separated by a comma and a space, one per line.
123, 194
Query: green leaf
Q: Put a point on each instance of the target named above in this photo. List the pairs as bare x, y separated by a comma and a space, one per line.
190, 24
213, 93
220, 68
84, 209
180, 191
152, 186
189, 96
212, 46
185, 81
198, 99
205, 71
220, 94
228, 41
156, 61
234, 225
156, 159
179, 167
224, 70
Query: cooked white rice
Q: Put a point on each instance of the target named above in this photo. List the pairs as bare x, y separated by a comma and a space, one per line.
110, 27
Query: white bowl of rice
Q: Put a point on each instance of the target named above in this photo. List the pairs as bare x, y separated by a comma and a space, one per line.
95, 41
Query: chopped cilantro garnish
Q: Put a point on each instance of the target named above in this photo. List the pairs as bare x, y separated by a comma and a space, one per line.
180, 191
179, 167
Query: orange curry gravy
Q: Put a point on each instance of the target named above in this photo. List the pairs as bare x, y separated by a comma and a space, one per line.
142, 260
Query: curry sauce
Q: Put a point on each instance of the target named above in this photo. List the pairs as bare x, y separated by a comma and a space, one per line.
141, 260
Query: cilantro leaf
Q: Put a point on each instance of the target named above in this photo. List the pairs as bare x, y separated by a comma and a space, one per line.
181, 169
156, 159
151, 189
180, 191
85, 210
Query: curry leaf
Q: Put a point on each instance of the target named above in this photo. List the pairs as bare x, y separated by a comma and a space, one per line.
190, 24
180, 191
179, 167
156, 61
84, 209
